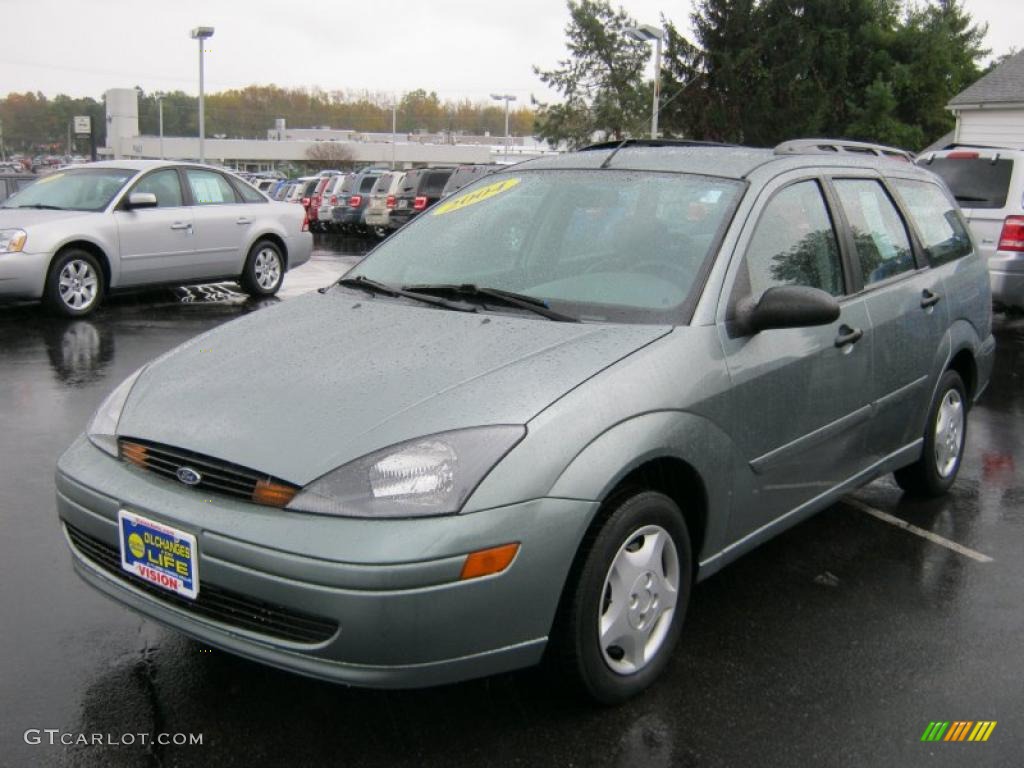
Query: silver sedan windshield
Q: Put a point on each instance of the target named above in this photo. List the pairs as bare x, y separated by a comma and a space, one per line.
82, 189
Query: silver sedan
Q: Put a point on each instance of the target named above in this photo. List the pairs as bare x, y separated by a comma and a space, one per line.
75, 235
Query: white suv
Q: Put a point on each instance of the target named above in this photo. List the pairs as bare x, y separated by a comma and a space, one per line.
989, 185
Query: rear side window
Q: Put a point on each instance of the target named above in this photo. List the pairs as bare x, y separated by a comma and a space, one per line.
794, 243
367, 184
249, 194
883, 246
975, 182
165, 185
942, 231
209, 188
383, 184
435, 182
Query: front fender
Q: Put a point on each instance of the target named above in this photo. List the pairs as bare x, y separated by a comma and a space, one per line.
693, 439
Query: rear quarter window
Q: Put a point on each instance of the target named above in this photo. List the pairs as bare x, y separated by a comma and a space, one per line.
939, 225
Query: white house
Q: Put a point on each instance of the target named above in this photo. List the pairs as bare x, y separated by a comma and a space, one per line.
990, 112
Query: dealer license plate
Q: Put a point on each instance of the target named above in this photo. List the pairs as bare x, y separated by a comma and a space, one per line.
161, 555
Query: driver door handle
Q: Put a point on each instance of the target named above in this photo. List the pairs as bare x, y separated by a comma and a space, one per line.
181, 225
848, 335
243, 220
929, 298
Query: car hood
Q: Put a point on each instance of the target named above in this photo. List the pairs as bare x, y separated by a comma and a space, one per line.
22, 218
310, 384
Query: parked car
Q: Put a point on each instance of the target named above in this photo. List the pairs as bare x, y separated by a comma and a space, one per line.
315, 198
11, 183
325, 213
465, 174
543, 441
353, 197
295, 194
76, 235
420, 189
988, 183
382, 200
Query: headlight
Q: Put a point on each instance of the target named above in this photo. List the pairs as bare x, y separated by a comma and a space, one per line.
431, 475
12, 240
103, 427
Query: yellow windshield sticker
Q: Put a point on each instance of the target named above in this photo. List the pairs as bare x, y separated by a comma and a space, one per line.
476, 196
51, 177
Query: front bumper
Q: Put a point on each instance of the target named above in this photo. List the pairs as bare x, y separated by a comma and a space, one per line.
391, 586
23, 275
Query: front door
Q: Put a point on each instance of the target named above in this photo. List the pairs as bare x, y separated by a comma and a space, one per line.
222, 223
800, 396
156, 244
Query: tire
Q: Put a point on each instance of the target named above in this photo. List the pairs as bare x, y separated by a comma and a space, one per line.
944, 438
74, 285
264, 269
611, 592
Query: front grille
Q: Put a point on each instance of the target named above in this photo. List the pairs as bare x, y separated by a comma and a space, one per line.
213, 602
216, 475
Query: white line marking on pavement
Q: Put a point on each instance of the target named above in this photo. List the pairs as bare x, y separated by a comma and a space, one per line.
885, 517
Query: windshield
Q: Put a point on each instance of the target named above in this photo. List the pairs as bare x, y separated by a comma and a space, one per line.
603, 245
85, 189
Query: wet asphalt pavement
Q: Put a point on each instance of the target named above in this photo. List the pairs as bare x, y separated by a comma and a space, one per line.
835, 644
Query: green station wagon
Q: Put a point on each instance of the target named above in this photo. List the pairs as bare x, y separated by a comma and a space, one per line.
528, 423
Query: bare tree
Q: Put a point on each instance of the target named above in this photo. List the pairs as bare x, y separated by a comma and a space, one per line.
322, 155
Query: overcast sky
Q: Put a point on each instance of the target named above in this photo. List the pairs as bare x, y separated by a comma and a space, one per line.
464, 48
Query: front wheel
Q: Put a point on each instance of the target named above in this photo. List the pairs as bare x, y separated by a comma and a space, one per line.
264, 269
74, 286
623, 614
944, 439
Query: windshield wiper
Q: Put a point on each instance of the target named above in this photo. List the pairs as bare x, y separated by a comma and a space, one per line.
39, 206
508, 298
373, 286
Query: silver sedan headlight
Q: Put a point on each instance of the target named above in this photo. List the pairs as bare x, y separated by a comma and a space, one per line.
431, 475
12, 240
102, 431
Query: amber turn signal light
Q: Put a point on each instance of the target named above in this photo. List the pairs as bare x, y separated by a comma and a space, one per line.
488, 561
273, 494
135, 454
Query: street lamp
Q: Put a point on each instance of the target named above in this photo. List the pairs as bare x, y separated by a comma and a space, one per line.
506, 97
160, 106
645, 33
202, 34
394, 111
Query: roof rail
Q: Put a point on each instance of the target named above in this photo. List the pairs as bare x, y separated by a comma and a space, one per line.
841, 147
652, 143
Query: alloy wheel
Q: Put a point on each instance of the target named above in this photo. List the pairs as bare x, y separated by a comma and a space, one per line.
267, 268
78, 284
949, 433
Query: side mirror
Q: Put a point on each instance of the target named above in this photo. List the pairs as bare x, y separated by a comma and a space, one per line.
786, 306
141, 200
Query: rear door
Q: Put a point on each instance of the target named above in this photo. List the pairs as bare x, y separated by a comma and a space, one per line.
222, 221
157, 245
907, 303
799, 396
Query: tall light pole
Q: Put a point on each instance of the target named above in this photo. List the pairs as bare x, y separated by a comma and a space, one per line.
394, 133
202, 34
645, 33
507, 98
160, 107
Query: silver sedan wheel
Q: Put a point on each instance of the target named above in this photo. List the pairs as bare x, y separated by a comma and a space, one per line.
638, 600
267, 268
949, 433
78, 284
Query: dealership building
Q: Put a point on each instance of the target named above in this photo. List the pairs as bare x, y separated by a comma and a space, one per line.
297, 145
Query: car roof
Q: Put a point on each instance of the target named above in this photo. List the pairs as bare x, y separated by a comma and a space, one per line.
734, 162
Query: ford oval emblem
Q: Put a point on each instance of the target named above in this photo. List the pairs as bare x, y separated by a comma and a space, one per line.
189, 476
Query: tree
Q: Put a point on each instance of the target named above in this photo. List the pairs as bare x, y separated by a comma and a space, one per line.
322, 155
601, 81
